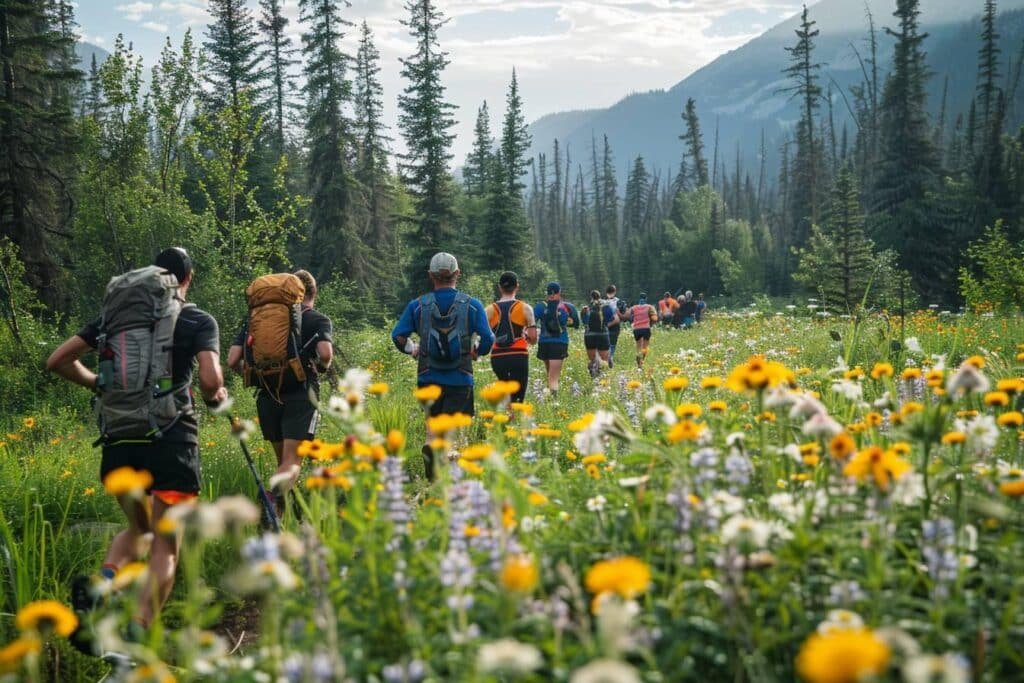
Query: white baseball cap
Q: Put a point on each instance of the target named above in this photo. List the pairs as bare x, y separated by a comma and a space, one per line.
443, 262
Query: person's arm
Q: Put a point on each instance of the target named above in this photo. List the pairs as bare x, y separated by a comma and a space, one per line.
234, 361
614, 320
406, 325
211, 379
325, 344
207, 345
236, 354
530, 331
573, 315
482, 328
653, 314
65, 362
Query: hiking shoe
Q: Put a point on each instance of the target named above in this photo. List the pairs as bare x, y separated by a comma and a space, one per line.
84, 594
119, 661
428, 463
83, 639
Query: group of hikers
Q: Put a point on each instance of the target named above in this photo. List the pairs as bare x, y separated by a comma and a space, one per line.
150, 341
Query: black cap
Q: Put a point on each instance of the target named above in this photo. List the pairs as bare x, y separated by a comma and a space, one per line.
553, 288
508, 280
175, 261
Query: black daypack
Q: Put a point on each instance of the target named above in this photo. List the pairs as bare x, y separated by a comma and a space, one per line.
552, 325
595, 321
505, 332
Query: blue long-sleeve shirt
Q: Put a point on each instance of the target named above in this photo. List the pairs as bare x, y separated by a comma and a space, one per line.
409, 323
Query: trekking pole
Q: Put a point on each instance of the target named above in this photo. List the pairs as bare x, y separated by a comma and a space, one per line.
268, 504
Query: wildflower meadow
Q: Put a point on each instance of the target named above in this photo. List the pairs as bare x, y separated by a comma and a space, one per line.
773, 497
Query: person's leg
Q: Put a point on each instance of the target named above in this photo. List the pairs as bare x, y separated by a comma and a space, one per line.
554, 373
128, 545
606, 357
163, 562
519, 371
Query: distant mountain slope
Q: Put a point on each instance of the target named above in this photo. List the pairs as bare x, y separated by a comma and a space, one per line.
85, 51
740, 90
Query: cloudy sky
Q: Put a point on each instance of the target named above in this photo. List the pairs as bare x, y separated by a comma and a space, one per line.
574, 54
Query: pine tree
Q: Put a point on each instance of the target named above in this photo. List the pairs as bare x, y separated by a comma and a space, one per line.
37, 140
368, 106
371, 159
505, 231
93, 104
277, 54
609, 198
426, 119
515, 138
478, 163
236, 83
988, 67
334, 241
989, 123
695, 145
839, 262
554, 207
595, 191
907, 171
634, 204
232, 56
807, 164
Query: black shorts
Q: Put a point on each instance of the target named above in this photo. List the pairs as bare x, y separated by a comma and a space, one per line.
454, 399
552, 351
596, 342
513, 367
642, 334
295, 418
174, 465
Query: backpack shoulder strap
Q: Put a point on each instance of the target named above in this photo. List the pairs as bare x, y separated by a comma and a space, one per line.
463, 309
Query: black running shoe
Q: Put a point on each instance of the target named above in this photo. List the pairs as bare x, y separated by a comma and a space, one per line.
428, 463
84, 596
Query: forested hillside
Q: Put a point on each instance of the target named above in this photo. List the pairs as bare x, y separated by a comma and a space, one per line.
220, 148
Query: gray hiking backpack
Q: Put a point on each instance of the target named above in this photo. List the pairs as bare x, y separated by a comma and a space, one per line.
136, 338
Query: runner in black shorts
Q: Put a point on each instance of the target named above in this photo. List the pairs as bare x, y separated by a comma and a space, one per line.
552, 350
600, 314
172, 461
289, 417
554, 317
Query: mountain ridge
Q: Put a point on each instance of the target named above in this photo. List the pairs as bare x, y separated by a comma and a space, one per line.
739, 90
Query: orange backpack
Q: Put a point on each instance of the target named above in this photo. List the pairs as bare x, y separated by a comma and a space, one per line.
275, 329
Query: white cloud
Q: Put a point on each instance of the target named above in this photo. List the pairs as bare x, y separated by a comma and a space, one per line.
155, 26
135, 10
189, 13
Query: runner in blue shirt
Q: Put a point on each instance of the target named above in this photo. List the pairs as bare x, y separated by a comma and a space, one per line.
446, 321
554, 317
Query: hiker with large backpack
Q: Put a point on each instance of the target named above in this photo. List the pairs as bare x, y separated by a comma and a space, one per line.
446, 321
642, 317
148, 341
514, 327
600, 315
554, 317
281, 350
